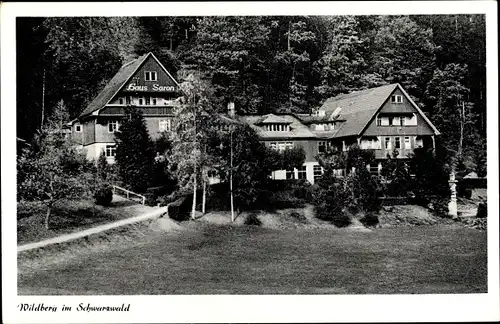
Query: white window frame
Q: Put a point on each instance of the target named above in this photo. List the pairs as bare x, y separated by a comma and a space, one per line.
274, 145
289, 145
153, 100
150, 76
281, 146
164, 125
402, 121
290, 174
387, 144
110, 150
147, 101
397, 99
78, 128
322, 143
397, 141
317, 171
379, 121
302, 172
115, 126
128, 100
407, 142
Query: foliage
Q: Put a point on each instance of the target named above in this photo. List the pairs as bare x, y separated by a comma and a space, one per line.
53, 169
134, 151
252, 219
357, 192
103, 195
396, 173
293, 158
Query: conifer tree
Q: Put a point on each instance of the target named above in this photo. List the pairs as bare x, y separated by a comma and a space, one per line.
134, 151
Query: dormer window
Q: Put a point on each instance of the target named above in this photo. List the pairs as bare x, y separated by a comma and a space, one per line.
150, 76
320, 113
277, 128
397, 99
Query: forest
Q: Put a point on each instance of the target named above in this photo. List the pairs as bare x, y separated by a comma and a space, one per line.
268, 64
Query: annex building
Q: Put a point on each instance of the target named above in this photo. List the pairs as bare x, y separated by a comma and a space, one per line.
381, 119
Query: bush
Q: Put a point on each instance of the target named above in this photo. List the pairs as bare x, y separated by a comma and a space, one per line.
464, 192
338, 218
151, 199
299, 217
252, 219
440, 206
370, 219
103, 195
482, 210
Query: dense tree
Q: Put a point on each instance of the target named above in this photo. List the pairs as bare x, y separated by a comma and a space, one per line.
55, 170
134, 151
452, 113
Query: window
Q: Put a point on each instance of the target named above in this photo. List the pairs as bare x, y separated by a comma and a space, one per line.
320, 127
154, 101
110, 150
148, 101
317, 171
290, 174
402, 120
302, 174
373, 168
281, 146
407, 143
113, 126
78, 128
141, 101
387, 143
289, 145
150, 76
398, 142
418, 142
396, 99
164, 125
391, 121
120, 100
321, 147
274, 145
128, 100
379, 121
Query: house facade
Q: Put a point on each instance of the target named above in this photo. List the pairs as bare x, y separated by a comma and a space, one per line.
381, 119
143, 83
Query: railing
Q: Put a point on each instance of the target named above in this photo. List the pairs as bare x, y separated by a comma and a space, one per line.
129, 193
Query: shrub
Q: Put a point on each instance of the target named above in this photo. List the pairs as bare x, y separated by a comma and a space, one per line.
151, 199
299, 217
440, 205
252, 219
339, 218
482, 210
103, 195
370, 219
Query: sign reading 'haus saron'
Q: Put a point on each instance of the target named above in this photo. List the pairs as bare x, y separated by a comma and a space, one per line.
153, 88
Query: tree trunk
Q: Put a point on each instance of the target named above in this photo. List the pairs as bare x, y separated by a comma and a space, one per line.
204, 198
193, 211
47, 215
43, 96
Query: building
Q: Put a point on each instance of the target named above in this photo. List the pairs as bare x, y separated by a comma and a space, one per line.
143, 83
381, 119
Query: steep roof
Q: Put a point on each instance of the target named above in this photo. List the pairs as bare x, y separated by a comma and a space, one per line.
297, 129
357, 108
114, 85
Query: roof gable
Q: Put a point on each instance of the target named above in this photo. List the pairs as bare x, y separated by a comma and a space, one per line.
273, 119
357, 108
120, 80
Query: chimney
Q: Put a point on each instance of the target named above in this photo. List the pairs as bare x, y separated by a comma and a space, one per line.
230, 110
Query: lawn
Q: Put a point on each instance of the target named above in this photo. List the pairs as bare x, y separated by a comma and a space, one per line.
251, 260
70, 216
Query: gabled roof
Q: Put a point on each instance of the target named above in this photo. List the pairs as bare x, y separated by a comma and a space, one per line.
113, 86
120, 79
358, 108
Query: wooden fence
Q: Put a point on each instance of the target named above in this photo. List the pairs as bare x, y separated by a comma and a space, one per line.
129, 194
